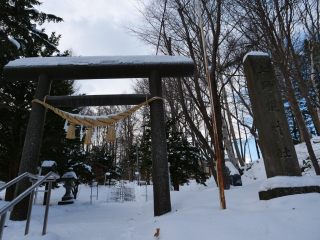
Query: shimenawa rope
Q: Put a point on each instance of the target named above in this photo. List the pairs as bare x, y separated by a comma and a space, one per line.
94, 122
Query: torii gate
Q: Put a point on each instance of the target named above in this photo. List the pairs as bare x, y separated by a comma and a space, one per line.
45, 70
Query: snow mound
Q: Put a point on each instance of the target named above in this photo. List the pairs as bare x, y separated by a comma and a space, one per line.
286, 182
232, 168
254, 171
304, 158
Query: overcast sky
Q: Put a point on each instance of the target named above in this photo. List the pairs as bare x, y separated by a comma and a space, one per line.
92, 28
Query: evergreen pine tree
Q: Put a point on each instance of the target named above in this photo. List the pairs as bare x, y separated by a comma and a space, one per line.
101, 156
183, 157
145, 161
131, 161
19, 38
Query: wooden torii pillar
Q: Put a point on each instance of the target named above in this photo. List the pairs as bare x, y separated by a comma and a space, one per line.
45, 70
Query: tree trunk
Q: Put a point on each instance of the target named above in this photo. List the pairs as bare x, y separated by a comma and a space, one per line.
12, 174
199, 135
301, 123
234, 138
175, 184
228, 146
232, 129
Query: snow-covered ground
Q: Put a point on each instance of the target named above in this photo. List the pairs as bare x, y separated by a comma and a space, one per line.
195, 214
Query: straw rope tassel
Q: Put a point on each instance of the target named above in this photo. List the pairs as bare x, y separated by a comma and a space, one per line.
71, 131
112, 136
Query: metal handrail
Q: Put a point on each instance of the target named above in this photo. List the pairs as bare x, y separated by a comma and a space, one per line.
25, 193
6, 208
26, 174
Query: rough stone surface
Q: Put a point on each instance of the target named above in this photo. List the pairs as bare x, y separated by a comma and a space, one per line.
280, 192
160, 177
276, 143
99, 67
31, 148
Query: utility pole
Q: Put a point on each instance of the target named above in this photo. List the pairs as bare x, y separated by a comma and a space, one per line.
216, 143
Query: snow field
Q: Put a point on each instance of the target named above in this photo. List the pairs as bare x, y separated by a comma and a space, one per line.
195, 213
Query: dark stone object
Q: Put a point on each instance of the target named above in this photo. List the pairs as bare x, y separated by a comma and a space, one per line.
104, 70
280, 192
65, 202
235, 179
69, 184
160, 176
277, 148
31, 148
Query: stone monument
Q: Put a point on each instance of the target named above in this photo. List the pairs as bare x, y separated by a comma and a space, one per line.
277, 147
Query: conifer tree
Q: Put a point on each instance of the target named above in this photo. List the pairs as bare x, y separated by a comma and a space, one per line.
130, 163
145, 165
184, 158
18, 33
101, 156
19, 38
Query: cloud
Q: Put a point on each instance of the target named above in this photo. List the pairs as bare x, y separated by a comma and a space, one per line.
105, 86
92, 28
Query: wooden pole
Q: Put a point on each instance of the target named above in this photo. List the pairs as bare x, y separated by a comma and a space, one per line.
216, 143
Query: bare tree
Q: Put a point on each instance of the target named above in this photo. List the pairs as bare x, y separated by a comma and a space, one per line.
277, 24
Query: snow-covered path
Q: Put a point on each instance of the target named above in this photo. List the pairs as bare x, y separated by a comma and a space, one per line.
195, 215
81, 220
108, 220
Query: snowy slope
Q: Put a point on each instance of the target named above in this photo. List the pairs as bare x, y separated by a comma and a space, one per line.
195, 214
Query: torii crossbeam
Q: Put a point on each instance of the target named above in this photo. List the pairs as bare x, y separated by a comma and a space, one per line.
45, 70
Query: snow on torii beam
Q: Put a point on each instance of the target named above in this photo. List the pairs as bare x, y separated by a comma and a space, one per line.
44, 70
101, 67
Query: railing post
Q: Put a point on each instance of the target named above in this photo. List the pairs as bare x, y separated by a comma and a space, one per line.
35, 199
2, 221
91, 194
47, 210
29, 213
